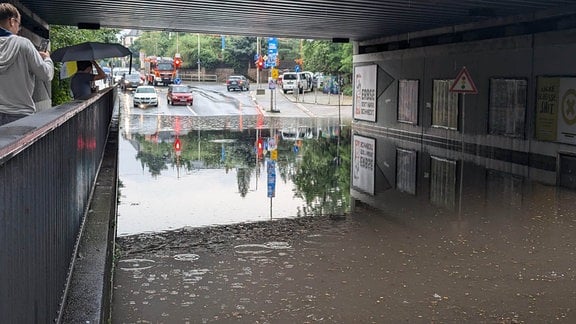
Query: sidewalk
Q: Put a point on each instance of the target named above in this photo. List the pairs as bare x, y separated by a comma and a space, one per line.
309, 104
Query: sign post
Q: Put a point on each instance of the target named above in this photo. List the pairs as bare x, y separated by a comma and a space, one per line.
463, 84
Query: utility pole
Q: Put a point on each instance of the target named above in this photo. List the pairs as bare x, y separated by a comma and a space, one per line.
257, 69
198, 57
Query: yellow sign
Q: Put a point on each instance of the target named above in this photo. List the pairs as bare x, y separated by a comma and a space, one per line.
274, 155
274, 73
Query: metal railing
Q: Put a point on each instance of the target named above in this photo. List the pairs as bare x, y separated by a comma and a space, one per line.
48, 166
203, 77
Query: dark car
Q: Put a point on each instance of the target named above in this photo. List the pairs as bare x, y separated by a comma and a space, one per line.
131, 81
237, 82
179, 95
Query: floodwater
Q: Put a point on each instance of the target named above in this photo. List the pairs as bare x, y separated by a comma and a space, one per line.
197, 245
217, 175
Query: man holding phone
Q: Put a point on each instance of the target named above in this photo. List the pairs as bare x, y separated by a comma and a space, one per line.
20, 64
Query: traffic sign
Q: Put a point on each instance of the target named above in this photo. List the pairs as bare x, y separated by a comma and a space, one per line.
274, 73
177, 81
464, 83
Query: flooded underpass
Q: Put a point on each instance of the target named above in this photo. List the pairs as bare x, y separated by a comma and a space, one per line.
201, 240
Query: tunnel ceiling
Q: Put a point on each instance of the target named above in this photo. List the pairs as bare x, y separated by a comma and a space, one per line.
315, 19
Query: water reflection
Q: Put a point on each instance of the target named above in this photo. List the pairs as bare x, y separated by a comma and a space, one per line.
195, 171
456, 239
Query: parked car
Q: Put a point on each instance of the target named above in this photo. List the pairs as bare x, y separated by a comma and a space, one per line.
237, 82
297, 80
145, 96
179, 95
131, 81
117, 74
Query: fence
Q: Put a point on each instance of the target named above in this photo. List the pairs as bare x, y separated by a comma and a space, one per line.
203, 77
48, 165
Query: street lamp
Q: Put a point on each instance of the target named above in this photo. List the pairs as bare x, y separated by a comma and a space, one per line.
198, 57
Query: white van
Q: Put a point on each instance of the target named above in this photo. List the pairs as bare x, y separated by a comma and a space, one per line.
297, 80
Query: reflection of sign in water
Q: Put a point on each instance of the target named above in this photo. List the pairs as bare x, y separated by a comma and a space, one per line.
363, 163
365, 92
568, 102
271, 179
556, 110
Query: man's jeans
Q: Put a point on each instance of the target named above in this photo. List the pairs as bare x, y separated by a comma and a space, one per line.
8, 118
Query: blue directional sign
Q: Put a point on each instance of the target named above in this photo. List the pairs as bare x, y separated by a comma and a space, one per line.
272, 52
177, 81
297, 68
271, 185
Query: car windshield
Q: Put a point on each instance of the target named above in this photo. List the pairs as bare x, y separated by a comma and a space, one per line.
165, 66
145, 90
235, 77
289, 77
180, 89
132, 77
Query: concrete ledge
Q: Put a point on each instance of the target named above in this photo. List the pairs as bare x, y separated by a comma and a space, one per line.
88, 298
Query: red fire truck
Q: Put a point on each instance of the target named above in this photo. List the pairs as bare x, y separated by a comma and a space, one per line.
159, 70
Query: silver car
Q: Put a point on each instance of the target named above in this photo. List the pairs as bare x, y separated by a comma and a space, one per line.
145, 96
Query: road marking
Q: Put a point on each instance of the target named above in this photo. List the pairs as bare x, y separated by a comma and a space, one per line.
191, 110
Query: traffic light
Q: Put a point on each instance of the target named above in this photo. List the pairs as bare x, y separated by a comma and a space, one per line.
177, 62
260, 63
177, 145
259, 147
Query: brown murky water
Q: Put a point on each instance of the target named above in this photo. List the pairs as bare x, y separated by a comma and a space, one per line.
419, 265
197, 244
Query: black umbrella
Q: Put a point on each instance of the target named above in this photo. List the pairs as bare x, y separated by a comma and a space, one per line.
90, 51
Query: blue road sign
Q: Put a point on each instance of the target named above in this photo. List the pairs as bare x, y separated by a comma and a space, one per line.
271, 185
297, 68
177, 81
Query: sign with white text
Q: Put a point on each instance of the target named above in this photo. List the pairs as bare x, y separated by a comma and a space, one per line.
556, 109
363, 163
365, 78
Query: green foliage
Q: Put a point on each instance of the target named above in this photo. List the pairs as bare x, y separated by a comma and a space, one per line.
327, 57
62, 36
239, 53
320, 180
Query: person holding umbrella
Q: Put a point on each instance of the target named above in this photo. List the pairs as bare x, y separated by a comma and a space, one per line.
20, 64
81, 83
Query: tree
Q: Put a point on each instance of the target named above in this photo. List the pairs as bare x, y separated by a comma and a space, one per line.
328, 57
239, 53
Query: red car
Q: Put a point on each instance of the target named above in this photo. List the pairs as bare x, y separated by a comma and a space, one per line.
179, 95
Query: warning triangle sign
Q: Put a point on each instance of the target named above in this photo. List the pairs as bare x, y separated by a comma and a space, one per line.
464, 83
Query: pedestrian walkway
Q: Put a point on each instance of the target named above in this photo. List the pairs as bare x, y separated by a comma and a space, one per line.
309, 104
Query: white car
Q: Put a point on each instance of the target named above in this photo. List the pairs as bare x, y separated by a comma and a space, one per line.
145, 96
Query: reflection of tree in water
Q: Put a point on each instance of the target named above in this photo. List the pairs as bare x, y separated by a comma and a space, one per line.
154, 155
243, 175
320, 181
204, 151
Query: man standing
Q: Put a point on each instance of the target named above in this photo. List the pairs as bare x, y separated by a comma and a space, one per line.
20, 65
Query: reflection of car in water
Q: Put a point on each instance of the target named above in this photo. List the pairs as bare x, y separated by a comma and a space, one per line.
298, 133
